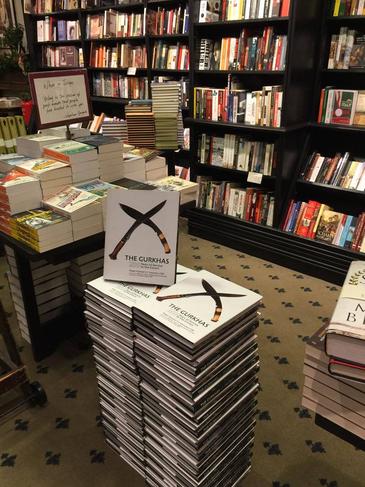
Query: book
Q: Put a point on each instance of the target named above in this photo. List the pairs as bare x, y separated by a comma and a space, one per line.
328, 226
74, 203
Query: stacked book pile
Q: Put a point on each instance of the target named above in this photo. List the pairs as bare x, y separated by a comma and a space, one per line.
18, 192
337, 399
32, 145
83, 270
140, 123
82, 207
41, 229
110, 155
50, 288
82, 158
166, 105
115, 127
98, 188
187, 189
11, 161
133, 167
196, 352
155, 165
53, 175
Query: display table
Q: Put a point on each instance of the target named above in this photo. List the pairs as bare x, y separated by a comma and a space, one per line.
46, 336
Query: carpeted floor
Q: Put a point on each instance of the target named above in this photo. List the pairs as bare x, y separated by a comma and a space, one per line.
62, 444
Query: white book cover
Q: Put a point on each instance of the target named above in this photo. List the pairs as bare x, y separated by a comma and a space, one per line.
70, 200
200, 304
141, 236
43, 168
354, 285
348, 318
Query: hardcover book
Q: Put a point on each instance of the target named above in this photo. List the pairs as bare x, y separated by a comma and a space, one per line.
354, 285
141, 236
328, 226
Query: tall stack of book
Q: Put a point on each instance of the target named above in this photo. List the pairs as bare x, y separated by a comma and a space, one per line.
82, 158
82, 207
32, 145
140, 123
18, 192
83, 270
53, 175
114, 127
196, 352
166, 105
110, 155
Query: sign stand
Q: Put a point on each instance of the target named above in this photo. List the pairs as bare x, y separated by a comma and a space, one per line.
68, 132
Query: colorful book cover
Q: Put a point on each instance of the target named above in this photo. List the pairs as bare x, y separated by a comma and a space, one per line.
97, 187
344, 106
72, 199
41, 166
13, 178
38, 219
328, 226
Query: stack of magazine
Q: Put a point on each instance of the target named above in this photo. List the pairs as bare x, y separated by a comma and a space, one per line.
196, 351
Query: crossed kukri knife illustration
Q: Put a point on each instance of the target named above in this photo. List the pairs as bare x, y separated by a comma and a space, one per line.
141, 219
211, 292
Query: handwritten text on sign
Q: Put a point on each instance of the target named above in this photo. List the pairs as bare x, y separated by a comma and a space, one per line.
61, 99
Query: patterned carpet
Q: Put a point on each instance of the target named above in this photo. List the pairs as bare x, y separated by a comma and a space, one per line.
62, 444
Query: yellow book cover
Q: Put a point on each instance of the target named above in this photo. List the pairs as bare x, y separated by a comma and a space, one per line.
10, 148
13, 130
336, 10
20, 124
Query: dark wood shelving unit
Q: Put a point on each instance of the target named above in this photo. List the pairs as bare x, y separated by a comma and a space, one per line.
239, 72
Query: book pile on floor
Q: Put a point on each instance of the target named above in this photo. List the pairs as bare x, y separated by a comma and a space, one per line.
83, 270
82, 207
196, 352
82, 158
32, 145
50, 288
110, 155
187, 189
155, 165
140, 123
53, 175
18, 192
166, 105
41, 229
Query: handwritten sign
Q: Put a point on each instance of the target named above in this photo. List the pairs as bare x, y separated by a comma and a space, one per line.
60, 97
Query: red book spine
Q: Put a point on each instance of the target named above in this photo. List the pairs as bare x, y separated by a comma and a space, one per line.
359, 231
303, 228
208, 110
312, 224
248, 203
285, 8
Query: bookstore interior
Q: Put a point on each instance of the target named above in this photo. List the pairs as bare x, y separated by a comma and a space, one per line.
182, 243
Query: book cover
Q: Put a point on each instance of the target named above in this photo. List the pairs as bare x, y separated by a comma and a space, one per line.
343, 107
71, 199
141, 236
200, 304
348, 319
38, 219
97, 187
357, 57
328, 225
354, 284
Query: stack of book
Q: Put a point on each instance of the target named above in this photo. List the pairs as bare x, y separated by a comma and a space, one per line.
49, 6
238, 105
82, 158
266, 52
318, 221
10, 129
161, 21
187, 189
114, 127
110, 155
155, 165
337, 399
167, 56
210, 11
345, 107
11, 161
345, 335
112, 23
83, 270
341, 170
41, 229
51, 29
134, 167
53, 175
98, 188
120, 56
18, 192
140, 123
82, 207
198, 382
236, 152
62, 56
166, 105
249, 204
33, 145
346, 8
119, 86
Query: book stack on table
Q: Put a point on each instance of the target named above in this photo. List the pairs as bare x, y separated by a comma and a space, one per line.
134, 167
140, 123
33, 145
10, 161
187, 189
155, 165
98, 188
84, 269
196, 352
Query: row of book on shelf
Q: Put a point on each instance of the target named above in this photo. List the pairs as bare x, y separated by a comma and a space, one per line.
119, 86
167, 56
236, 152
62, 56
265, 52
341, 106
168, 22
51, 29
249, 204
112, 23
119, 56
341, 170
49, 6
347, 50
334, 365
237, 105
318, 221
348, 8
223, 10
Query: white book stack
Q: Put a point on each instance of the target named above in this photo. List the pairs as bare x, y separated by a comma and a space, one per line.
32, 145
82, 158
10, 161
196, 351
109, 318
83, 208
53, 175
50, 288
110, 155
99, 188
18, 192
156, 168
133, 167
187, 189
83, 270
